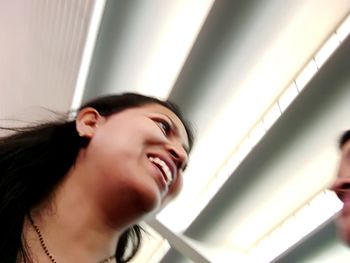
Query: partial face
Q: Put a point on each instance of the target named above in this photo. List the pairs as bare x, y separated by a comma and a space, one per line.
342, 188
139, 155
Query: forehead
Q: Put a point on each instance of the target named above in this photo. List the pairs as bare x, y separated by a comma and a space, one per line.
179, 126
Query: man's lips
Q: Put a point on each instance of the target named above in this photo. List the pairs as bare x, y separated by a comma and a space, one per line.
345, 197
346, 207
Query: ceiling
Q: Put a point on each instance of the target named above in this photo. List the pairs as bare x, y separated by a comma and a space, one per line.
260, 156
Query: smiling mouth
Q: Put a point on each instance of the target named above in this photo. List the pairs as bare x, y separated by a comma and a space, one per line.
163, 167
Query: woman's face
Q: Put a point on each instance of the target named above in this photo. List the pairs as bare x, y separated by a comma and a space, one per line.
342, 188
138, 156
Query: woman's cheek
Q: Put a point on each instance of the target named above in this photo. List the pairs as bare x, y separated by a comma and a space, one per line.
154, 134
175, 189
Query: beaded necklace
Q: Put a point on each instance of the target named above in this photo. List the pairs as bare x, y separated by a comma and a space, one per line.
46, 250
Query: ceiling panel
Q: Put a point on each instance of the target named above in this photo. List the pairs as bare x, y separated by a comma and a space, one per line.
40, 53
231, 66
225, 63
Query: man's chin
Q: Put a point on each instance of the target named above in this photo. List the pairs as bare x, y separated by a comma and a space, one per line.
346, 238
344, 230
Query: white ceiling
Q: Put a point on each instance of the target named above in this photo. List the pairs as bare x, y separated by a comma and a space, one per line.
40, 53
224, 62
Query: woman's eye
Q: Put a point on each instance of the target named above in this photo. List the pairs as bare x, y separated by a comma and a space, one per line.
164, 126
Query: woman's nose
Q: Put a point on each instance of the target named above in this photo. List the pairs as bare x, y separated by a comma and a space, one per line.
178, 154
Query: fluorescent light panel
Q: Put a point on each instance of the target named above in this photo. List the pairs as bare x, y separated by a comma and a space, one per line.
282, 102
271, 116
253, 137
306, 75
94, 26
256, 134
288, 96
328, 48
297, 226
344, 29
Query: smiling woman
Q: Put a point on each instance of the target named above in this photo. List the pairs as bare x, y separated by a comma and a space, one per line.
74, 191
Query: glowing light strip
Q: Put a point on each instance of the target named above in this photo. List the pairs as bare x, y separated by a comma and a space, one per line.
297, 226
259, 130
94, 26
275, 111
344, 29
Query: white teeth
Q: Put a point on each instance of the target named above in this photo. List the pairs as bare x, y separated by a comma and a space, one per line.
164, 167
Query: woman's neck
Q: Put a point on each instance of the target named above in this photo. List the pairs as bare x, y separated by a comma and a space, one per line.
72, 226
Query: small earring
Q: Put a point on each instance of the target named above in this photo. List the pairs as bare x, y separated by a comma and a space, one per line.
81, 134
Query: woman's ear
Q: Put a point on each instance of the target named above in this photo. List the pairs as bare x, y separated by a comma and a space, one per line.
87, 122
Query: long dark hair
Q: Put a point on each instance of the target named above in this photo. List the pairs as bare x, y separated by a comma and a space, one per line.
34, 159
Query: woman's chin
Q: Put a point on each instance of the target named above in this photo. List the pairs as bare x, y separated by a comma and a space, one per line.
149, 201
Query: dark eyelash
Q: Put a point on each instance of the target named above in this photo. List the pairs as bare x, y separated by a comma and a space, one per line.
166, 128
